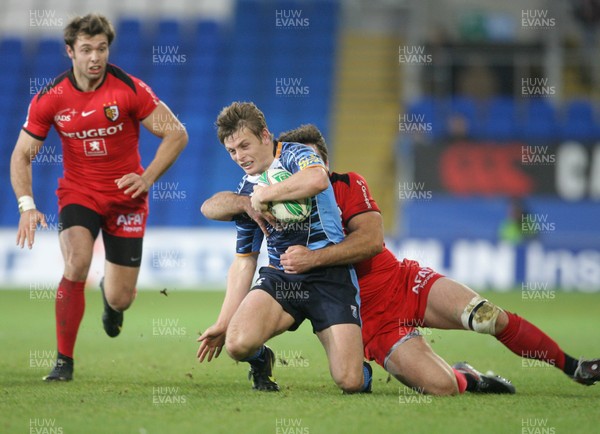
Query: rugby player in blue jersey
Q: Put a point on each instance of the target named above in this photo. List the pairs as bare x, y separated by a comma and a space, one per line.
277, 302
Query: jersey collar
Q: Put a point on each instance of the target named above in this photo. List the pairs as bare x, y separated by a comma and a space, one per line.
71, 77
277, 148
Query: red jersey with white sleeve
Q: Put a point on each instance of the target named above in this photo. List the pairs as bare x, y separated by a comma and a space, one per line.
393, 294
99, 130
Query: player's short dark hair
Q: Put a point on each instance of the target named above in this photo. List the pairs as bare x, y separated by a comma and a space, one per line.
240, 115
307, 134
91, 25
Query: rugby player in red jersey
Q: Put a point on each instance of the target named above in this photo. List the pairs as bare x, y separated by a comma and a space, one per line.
96, 108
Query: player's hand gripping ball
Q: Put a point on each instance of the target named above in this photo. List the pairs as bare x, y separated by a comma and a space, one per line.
290, 211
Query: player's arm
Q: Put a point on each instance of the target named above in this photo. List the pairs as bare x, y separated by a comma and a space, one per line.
225, 205
162, 123
25, 150
302, 184
239, 281
364, 240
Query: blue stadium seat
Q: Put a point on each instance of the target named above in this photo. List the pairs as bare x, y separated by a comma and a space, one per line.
12, 53
579, 121
51, 48
6, 100
322, 38
168, 32
326, 15
430, 111
129, 28
50, 59
285, 39
247, 11
207, 35
129, 63
467, 109
203, 62
127, 50
500, 121
539, 122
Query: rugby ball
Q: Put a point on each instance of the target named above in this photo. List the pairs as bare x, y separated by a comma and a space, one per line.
291, 211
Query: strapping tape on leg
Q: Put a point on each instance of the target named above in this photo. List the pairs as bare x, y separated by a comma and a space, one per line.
480, 315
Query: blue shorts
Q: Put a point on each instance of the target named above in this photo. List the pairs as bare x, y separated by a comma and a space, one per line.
326, 296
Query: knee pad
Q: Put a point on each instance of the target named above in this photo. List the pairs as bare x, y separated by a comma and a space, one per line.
480, 315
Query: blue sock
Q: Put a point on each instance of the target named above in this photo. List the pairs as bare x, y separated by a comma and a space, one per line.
256, 358
367, 375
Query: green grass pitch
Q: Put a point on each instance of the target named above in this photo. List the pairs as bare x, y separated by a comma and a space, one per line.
148, 381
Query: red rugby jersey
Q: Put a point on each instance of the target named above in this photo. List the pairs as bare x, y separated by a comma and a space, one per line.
99, 130
353, 197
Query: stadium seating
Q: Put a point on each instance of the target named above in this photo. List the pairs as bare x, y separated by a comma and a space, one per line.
500, 120
539, 122
432, 112
504, 119
468, 110
580, 121
231, 60
224, 61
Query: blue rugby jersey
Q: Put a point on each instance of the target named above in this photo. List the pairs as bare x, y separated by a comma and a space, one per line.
322, 228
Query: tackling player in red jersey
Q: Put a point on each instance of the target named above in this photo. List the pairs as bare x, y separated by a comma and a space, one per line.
397, 297
97, 109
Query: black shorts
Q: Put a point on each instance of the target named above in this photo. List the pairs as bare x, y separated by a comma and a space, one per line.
326, 296
119, 250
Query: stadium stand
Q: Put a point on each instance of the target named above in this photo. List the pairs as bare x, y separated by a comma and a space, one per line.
504, 118
219, 62
222, 58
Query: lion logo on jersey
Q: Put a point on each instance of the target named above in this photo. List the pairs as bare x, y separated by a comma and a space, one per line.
111, 112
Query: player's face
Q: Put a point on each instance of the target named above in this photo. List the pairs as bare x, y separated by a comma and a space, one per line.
253, 154
90, 57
